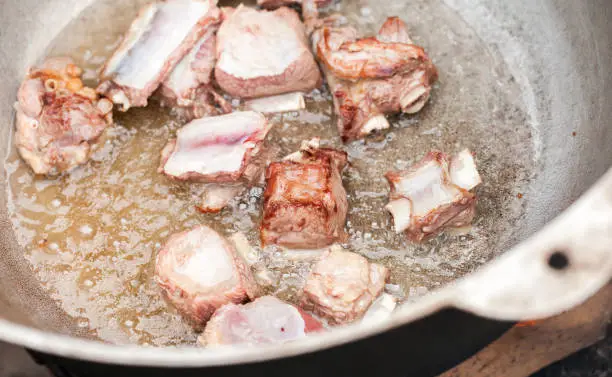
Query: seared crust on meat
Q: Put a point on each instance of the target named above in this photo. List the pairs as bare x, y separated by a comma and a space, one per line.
305, 204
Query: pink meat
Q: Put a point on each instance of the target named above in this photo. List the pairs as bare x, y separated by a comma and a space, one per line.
215, 149
59, 121
305, 204
263, 53
199, 272
434, 194
189, 88
373, 77
266, 320
158, 39
342, 286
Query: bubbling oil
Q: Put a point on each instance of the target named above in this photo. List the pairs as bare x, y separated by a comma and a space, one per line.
91, 236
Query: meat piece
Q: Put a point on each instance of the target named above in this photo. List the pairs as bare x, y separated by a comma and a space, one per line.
189, 89
434, 194
373, 77
278, 104
59, 121
215, 149
274, 4
199, 271
305, 204
263, 53
342, 286
266, 320
158, 39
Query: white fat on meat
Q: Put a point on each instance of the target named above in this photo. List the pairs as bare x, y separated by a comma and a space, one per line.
434, 194
267, 320
199, 271
215, 149
184, 78
162, 34
278, 104
59, 121
274, 39
342, 286
370, 78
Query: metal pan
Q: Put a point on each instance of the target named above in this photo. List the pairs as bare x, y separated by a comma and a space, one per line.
551, 144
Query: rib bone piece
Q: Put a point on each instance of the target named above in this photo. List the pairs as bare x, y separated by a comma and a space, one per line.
162, 34
434, 194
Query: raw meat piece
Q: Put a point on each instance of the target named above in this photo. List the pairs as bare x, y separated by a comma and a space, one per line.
59, 121
434, 194
263, 53
373, 77
189, 89
158, 39
342, 286
305, 204
215, 149
199, 271
266, 320
278, 104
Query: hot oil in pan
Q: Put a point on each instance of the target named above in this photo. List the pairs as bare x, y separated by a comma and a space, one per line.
91, 236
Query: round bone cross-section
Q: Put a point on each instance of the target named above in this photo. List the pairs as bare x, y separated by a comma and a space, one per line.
200, 271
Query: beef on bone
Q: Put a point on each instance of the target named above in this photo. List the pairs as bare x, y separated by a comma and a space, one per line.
434, 194
158, 39
305, 203
373, 77
266, 320
215, 149
189, 89
342, 286
59, 121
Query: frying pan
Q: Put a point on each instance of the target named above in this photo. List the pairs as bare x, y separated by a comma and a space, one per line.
559, 54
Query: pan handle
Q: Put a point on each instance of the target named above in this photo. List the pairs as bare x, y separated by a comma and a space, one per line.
558, 269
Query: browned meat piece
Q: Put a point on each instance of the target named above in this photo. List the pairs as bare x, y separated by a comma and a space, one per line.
274, 4
263, 53
434, 194
372, 77
59, 121
305, 204
215, 149
342, 286
189, 89
199, 272
158, 39
266, 320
